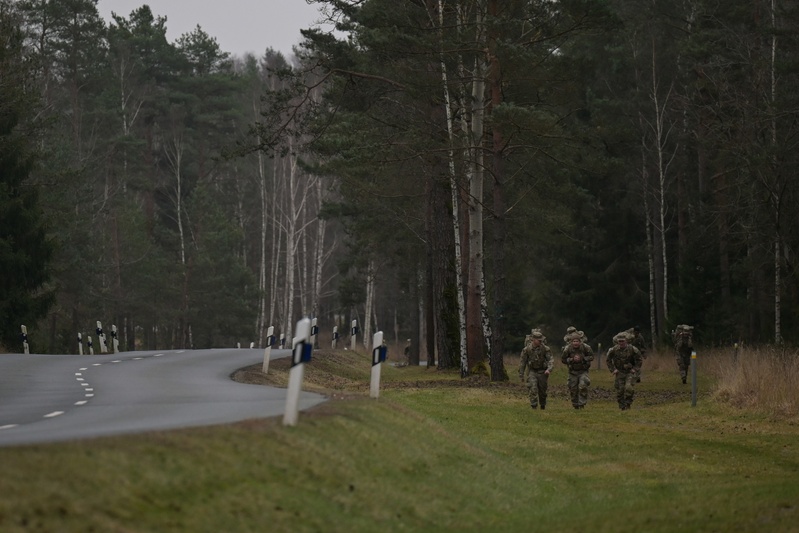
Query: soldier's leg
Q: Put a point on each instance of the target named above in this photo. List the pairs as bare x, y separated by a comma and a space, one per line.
574, 389
629, 390
685, 365
532, 389
584, 383
618, 383
543, 385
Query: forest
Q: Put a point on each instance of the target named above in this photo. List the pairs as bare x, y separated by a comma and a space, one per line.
451, 172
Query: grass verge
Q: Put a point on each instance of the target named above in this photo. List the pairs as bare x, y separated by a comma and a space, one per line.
433, 453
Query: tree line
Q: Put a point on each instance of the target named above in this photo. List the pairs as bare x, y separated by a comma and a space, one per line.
455, 172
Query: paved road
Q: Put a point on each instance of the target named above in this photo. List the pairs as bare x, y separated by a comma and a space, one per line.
50, 398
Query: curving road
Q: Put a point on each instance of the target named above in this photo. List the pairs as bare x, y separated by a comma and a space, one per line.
50, 398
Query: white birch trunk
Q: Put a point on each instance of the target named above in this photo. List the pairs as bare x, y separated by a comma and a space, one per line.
174, 154
261, 323
319, 254
475, 261
650, 247
661, 132
456, 226
291, 244
370, 299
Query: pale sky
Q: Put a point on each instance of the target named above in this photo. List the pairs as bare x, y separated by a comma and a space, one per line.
239, 26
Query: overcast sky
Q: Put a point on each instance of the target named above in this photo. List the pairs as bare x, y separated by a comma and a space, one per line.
239, 26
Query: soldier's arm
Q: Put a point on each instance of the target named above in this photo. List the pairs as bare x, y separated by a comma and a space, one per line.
550, 360
610, 362
588, 353
523, 365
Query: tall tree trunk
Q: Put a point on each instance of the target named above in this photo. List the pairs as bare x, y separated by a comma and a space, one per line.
367, 314
497, 343
474, 295
454, 186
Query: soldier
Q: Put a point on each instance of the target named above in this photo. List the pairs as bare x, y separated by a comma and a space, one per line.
624, 362
684, 344
569, 332
537, 358
578, 356
637, 340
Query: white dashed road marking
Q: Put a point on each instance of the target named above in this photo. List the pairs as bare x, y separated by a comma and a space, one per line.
53, 414
82, 402
8, 426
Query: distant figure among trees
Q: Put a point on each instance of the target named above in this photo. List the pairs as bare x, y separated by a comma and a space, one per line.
684, 344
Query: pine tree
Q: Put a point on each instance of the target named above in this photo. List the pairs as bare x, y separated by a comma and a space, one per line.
25, 250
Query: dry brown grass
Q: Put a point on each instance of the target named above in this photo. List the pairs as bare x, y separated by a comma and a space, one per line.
761, 379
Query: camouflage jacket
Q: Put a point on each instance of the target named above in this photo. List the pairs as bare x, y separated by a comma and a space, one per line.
624, 359
637, 340
586, 358
683, 339
536, 358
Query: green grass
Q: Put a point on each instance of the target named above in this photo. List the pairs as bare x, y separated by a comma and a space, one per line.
433, 453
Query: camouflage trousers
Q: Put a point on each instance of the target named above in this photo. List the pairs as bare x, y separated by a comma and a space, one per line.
578, 384
625, 388
684, 361
537, 383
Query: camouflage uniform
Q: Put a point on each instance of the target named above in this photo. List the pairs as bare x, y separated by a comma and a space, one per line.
624, 361
571, 330
578, 356
683, 344
537, 358
637, 340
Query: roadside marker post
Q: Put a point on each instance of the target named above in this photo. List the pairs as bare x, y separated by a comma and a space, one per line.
378, 357
270, 341
301, 350
693, 378
90, 344
353, 334
114, 339
282, 341
101, 337
24, 337
335, 337
80, 343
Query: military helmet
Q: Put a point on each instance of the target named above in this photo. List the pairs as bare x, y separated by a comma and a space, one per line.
536, 334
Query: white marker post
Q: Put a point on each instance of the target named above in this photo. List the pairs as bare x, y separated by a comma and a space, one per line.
24, 337
335, 337
301, 350
101, 338
90, 345
270, 341
353, 334
282, 341
114, 339
80, 344
378, 357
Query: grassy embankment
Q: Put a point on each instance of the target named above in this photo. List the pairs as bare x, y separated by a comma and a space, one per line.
437, 453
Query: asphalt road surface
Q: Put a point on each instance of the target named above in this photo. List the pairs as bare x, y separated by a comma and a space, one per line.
51, 398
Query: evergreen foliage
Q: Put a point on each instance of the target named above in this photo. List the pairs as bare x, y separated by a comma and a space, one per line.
636, 165
25, 249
